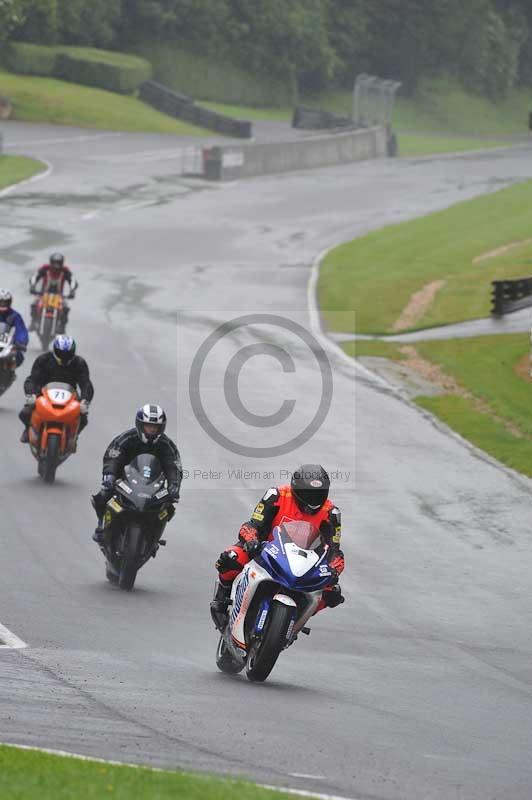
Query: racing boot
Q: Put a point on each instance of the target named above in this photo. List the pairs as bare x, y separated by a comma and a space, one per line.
220, 604
24, 438
99, 532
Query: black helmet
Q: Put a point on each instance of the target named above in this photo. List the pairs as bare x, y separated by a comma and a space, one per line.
57, 262
153, 416
310, 487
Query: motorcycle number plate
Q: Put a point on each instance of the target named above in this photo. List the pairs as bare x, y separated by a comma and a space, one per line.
52, 300
59, 395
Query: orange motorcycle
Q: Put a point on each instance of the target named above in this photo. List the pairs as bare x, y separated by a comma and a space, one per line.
54, 427
50, 317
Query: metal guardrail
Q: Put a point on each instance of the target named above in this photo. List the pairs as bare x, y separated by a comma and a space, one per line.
183, 107
511, 295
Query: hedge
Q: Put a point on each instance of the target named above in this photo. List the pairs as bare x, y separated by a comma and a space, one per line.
117, 72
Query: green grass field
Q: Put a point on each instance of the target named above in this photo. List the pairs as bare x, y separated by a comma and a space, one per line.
14, 169
29, 774
49, 100
377, 274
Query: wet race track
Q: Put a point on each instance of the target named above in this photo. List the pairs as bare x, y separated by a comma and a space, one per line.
420, 685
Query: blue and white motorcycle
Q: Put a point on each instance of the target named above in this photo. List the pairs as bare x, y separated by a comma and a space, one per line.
272, 599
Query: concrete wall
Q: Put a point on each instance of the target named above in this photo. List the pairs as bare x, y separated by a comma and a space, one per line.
229, 162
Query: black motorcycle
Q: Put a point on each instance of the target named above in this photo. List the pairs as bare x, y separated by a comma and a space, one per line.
134, 520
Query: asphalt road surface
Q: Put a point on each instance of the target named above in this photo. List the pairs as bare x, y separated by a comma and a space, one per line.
420, 685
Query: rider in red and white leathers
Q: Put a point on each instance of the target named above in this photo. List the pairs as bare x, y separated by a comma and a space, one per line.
52, 277
305, 499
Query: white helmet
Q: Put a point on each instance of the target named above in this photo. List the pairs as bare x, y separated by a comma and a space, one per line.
151, 415
6, 298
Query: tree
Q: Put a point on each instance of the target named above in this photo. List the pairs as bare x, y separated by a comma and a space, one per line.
84, 23
11, 17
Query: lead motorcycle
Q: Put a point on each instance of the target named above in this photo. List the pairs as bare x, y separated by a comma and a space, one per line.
8, 356
134, 520
272, 599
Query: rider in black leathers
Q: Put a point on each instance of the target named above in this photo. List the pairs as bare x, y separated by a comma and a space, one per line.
146, 437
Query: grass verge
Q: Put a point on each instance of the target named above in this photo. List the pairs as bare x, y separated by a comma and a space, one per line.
49, 100
412, 145
27, 774
14, 169
492, 407
460, 246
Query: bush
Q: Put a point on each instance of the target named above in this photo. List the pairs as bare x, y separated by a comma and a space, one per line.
117, 72
113, 71
29, 59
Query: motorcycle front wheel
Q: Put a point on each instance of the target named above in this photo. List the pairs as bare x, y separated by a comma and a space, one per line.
51, 459
264, 652
130, 557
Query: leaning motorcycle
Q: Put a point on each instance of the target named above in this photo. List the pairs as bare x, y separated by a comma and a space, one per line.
54, 427
134, 520
272, 599
50, 317
8, 356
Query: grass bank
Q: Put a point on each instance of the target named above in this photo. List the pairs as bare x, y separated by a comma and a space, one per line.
14, 169
27, 774
49, 100
464, 247
488, 402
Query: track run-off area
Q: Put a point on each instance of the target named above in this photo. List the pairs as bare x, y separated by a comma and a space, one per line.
420, 685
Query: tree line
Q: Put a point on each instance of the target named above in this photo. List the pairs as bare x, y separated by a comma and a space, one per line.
486, 44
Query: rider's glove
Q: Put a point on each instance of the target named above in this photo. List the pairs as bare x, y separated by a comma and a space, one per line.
335, 576
84, 407
333, 597
173, 492
30, 400
227, 560
253, 547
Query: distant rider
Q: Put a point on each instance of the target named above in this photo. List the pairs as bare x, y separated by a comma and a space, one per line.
61, 365
51, 278
14, 320
305, 499
146, 437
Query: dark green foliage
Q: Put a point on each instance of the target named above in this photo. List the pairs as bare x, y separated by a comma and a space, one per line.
487, 44
124, 78
29, 59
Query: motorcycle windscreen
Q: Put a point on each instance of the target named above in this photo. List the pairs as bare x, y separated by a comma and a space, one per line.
58, 392
304, 534
144, 470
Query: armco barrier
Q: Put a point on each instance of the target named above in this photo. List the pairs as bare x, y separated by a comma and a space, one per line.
183, 107
229, 162
318, 120
511, 295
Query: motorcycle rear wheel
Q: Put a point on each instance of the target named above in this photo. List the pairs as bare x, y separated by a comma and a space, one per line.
264, 653
130, 558
51, 459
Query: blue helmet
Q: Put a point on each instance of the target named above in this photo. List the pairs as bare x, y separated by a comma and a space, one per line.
64, 349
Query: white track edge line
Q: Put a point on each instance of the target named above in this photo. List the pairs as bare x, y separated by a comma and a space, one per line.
66, 754
12, 642
39, 177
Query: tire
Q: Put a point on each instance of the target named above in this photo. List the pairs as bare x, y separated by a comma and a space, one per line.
265, 652
47, 333
51, 459
225, 661
130, 558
